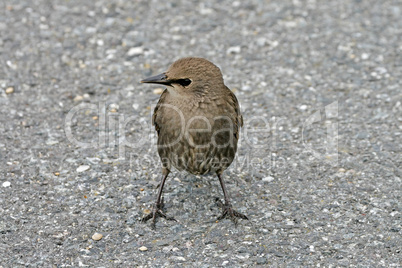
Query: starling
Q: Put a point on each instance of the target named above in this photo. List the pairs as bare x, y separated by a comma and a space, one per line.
198, 123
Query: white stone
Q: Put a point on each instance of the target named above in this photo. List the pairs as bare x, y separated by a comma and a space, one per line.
6, 184
233, 50
268, 179
303, 107
179, 258
9, 90
365, 56
134, 51
78, 98
83, 168
97, 236
51, 142
206, 11
158, 91
114, 106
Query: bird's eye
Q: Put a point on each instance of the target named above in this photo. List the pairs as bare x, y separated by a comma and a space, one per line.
183, 82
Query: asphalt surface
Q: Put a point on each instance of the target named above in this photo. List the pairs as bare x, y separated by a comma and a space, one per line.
319, 166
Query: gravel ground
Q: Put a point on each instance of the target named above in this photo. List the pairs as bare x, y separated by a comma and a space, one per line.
319, 166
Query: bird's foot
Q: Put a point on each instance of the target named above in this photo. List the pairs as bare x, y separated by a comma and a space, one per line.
229, 212
157, 211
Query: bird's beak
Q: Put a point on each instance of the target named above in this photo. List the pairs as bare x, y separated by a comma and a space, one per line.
157, 79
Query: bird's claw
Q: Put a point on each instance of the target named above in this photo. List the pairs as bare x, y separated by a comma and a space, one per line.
229, 212
157, 211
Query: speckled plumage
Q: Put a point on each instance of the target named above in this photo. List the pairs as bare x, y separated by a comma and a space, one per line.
180, 150
198, 123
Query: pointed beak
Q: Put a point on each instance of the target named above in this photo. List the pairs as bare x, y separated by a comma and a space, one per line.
157, 79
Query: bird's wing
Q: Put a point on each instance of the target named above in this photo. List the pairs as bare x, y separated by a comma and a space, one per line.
156, 110
238, 118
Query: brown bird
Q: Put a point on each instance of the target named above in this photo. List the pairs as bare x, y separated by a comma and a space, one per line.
198, 123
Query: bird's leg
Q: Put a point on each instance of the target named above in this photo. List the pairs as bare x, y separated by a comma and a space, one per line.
228, 211
157, 210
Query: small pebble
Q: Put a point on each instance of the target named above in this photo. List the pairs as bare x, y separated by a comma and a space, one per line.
97, 236
246, 88
56, 173
206, 11
9, 90
11, 65
113, 106
6, 184
365, 56
143, 248
273, 43
303, 107
51, 142
78, 98
147, 211
268, 179
158, 90
82, 168
134, 51
290, 222
233, 50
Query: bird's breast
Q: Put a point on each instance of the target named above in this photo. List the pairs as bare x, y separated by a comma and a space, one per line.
196, 139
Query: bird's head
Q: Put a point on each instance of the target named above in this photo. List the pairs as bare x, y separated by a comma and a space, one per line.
189, 76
